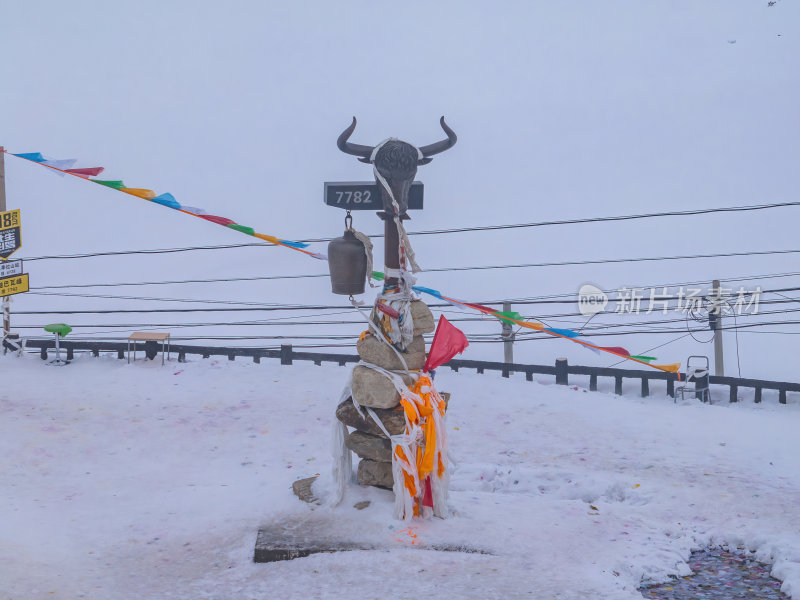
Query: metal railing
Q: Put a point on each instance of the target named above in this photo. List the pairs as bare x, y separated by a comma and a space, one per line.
561, 370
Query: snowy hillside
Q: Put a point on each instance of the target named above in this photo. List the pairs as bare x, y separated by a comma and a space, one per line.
142, 482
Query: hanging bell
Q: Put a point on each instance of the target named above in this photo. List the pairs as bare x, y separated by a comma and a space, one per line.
347, 261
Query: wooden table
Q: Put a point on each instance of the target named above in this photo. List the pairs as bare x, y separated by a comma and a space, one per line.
148, 336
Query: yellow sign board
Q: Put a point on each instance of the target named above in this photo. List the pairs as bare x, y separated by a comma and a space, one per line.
16, 284
9, 219
10, 233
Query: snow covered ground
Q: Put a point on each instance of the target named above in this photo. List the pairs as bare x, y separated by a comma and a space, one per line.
141, 481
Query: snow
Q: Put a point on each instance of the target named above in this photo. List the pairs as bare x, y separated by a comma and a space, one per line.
142, 481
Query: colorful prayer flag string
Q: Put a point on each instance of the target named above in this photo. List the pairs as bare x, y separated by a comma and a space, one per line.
566, 334
168, 200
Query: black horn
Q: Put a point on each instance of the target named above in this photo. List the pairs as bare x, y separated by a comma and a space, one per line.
441, 146
354, 149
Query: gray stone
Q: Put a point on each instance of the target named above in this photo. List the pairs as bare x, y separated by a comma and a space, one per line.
370, 446
302, 489
378, 474
423, 318
393, 419
372, 388
362, 505
378, 352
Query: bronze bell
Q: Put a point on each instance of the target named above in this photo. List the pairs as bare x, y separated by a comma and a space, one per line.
347, 261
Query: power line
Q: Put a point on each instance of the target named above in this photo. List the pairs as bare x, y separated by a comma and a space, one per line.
613, 260
345, 309
631, 217
668, 285
310, 323
183, 281
678, 213
152, 251
654, 348
674, 213
148, 298
452, 269
478, 317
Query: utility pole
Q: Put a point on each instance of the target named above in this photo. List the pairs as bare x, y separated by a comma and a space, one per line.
715, 323
6, 299
508, 337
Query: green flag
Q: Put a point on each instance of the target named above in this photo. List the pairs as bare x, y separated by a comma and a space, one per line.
242, 228
508, 315
117, 185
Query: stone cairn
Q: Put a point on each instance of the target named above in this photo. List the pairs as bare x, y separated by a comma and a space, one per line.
373, 389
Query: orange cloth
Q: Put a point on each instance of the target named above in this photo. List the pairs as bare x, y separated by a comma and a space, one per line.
420, 407
140, 192
267, 238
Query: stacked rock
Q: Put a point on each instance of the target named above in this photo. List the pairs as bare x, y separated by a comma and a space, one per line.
373, 389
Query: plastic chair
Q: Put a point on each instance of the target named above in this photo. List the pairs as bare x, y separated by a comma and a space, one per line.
60, 330
697, 371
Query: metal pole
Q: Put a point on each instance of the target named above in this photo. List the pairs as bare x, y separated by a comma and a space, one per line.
719, 362
6, 305
508, 336
391, 251
2, 179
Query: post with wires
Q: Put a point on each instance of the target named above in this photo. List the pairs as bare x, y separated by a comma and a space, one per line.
6, 306
12, 279
715, 324
508, 337
394, 376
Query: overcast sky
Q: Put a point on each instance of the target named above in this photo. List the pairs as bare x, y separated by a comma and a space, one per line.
563, 110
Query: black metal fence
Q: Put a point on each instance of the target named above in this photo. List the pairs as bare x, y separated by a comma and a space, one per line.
287, 355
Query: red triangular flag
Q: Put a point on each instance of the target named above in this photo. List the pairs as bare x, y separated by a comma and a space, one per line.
427, 496
217, 220
86, 172
447, 342
615, 350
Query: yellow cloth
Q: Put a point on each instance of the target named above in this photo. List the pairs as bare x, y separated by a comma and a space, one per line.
140, 192
425, 461
267, 238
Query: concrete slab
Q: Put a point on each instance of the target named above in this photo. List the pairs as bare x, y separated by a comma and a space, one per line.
297, 538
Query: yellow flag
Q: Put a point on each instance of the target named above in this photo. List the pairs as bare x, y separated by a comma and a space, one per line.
140, 192
673, 368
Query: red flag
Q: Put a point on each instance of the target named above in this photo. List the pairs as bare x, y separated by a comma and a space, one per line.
480, 307
447, 342
615, 350
217, 220
427, 496
86, 172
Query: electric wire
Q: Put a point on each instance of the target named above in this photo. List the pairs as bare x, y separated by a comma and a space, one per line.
630, 217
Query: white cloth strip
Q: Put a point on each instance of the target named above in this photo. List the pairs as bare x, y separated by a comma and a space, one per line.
381, 337
63, 164
406, 243
364, 239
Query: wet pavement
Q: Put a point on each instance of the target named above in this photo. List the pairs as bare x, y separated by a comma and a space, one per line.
720, 575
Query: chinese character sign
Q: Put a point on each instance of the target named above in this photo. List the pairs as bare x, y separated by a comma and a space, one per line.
16, 284
10, 233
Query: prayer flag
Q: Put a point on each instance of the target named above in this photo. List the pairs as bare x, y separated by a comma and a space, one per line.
86, 172
447, 342
167, 199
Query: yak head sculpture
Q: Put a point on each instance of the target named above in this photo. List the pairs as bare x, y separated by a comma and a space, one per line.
396, 162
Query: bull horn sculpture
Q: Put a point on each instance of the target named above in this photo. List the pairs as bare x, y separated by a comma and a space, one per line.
365, 152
